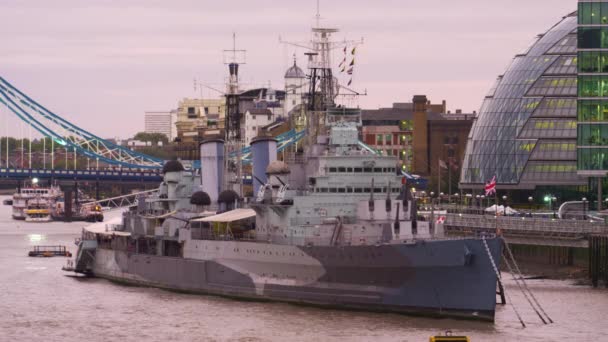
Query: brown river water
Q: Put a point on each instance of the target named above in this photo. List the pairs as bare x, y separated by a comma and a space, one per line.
39, 302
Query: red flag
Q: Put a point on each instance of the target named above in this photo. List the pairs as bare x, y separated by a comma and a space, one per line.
491, 186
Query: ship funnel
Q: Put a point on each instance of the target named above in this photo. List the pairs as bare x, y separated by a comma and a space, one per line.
263, 152
212, 167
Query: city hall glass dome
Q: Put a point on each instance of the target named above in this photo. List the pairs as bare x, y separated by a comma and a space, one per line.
525, 132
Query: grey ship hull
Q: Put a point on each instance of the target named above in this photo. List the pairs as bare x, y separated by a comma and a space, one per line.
446, 278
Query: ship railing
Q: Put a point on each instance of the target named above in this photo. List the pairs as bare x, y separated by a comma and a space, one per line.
527, 226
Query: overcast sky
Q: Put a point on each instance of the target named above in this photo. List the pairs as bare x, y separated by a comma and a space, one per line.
102, 64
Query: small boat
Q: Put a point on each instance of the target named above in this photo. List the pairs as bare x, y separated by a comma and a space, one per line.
29, 192
449, 337
38, 210
49, 251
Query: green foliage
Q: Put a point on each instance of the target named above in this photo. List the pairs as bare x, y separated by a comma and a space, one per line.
152, 137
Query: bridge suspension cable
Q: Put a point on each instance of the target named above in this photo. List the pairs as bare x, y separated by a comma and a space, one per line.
68, 135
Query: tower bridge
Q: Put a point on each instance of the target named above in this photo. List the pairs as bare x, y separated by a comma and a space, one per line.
125, 165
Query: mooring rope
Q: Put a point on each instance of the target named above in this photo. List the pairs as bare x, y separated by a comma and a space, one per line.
485, 244
524, 281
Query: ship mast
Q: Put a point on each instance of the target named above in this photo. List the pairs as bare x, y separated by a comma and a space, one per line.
233, 137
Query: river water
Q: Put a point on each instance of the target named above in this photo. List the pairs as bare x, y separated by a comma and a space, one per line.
39, 302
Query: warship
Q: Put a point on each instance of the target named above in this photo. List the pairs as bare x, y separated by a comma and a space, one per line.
337, 228
333, 224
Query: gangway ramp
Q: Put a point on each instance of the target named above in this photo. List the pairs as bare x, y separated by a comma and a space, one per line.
118, 202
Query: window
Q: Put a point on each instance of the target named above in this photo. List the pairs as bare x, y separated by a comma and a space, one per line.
593, 86
592, 61
389, 139
592, 37
350, 169
191, 113
378, 139
367, 169
358, 169
333, 169
341, 169
206, 110
592, 111
593, 135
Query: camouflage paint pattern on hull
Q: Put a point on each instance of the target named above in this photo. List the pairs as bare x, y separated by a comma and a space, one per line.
449, 278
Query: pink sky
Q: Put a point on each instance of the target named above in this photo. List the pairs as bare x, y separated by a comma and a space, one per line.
101, 64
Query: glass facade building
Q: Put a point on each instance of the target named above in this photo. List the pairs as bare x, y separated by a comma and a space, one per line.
592, 132
526, 130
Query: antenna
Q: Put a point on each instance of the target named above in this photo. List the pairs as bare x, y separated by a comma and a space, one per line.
318, 16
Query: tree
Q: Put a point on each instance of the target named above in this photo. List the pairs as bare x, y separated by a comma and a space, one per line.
154, 138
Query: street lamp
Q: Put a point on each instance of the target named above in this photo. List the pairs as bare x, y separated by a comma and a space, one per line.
440, 196
584, 208
469, 199
504, 199
457, 200
530, 200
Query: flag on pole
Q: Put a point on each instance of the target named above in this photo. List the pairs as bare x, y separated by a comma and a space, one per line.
350, 81
353, 51
491, 186
352, 62
442, 164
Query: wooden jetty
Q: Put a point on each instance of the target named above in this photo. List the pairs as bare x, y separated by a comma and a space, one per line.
598, 259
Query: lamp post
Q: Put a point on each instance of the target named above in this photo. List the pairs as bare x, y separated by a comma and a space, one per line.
477, 201
457, 200
530, 200
584, 208
440, 196
504, 199
469, 199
